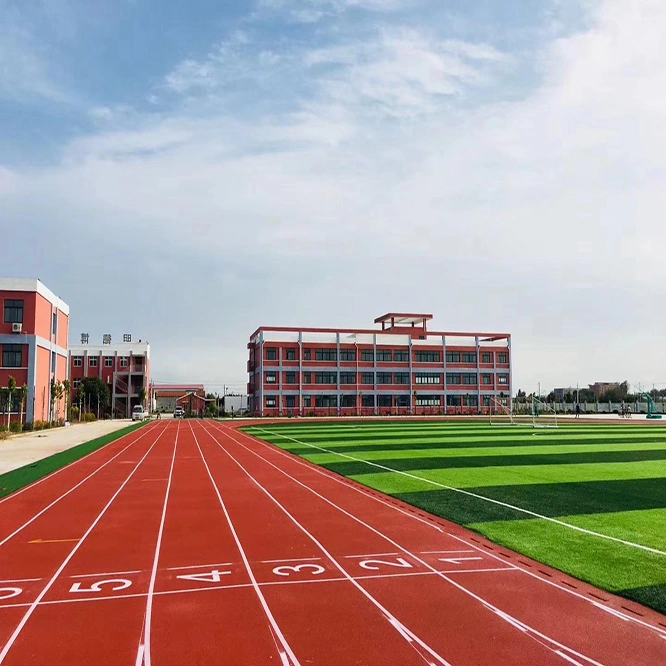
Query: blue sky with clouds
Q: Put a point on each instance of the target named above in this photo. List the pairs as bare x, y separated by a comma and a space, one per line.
319, 162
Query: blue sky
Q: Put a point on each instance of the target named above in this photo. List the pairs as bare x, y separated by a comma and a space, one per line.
319, 162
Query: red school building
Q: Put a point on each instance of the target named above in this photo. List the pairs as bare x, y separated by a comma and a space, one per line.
33, 339
399, 369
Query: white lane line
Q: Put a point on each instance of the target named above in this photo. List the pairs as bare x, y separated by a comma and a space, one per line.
350, 557
74, 462
35, 603
475, 495
278, 636
201, 566
80, 483
20, 580
108, 573
153, 576
415, 640
373, 495
548, 642
446, 552
139, 655
293, 559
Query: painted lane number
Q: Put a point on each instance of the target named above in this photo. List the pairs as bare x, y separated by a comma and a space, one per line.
374, 565
9, 592
212, 577
116, 584
315, 569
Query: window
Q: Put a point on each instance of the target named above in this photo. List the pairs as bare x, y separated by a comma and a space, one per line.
92, 361
472, 401
271, 354
326, 378
307, 401
502, 357
503, 379
348, 378
367, 378
384, 401
384, 378
402, 401
12, 356
486, 400
55, 323
307, 354
367, 355
453, 378
348, 401
384, 355
138, 362
453, 357
401, 356
270, 402
270, 377
77, 361
469, 357
486, 378
428, 378
108, 361
469, 378
291, 354
485, 357
347, 354
367, 401
307, 378
290, 378
13, 312
291, 401
427, 357
76, 384
124, 361
326, 355
401, 378
427, 401
453, 401
53, 361
326, 401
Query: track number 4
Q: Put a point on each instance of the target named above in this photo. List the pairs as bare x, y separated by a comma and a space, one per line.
212, 577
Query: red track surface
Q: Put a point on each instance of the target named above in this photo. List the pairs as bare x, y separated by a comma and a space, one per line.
192, 543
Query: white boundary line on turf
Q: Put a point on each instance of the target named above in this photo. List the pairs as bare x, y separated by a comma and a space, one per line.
475, 495
73, 488
143, 652
74, 462
543, 639
426, 652
284, 649
36, 602
369, 494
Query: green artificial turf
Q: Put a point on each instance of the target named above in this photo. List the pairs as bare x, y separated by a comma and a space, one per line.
608, 479
12, 481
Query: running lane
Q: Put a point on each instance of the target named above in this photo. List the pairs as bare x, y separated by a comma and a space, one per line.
543, 613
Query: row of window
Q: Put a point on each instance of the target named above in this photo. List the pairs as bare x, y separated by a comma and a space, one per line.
12, 356
385, 355
13, 312
346, 378
93, 361
324, 401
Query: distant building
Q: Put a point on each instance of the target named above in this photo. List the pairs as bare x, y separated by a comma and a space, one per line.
123, 366
33, 336
599, 388
559, 393
166, 397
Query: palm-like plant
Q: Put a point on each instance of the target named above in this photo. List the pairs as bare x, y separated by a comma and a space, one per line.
11, 387
66, 387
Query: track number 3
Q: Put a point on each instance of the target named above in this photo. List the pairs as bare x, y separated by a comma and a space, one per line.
315, 569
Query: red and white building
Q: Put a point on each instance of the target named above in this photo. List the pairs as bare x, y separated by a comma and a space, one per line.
401, 368
191, 397
33, 338
123, 366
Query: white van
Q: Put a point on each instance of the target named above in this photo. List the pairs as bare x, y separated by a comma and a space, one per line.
139, 413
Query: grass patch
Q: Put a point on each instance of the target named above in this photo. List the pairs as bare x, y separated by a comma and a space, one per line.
12, 481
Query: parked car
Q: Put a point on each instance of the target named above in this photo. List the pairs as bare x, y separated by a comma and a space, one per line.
178, 413
139, 413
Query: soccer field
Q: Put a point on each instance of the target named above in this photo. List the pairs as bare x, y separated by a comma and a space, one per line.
587, 499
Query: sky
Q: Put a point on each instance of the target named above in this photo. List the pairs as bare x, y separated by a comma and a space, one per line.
188, 172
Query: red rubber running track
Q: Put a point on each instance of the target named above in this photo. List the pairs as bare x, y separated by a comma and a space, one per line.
192, 543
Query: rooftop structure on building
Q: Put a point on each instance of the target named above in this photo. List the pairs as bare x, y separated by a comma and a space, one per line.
402, 368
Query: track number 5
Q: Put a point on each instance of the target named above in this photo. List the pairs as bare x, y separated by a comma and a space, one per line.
315, 569
116, 584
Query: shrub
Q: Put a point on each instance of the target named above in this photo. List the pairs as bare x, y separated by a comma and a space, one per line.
73, 413
3, 428
3, 434
89, 416
15, 427
38, 425
28, 426
60, 423
47, 425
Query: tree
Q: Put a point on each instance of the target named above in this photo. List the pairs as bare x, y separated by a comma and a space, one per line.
95, 391
57, 391
11, 387
142, 396
67, 388
521, 394
23, 396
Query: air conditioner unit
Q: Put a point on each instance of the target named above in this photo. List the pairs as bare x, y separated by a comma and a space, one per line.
17, 327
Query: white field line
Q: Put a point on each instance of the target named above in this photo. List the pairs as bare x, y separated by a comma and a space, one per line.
47, 587
74, 462
412, 639
144, 648
80, 483
284, 649
365, 491
471, 494
543, 639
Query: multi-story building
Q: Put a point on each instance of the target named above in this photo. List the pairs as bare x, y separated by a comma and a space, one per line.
400, 369
599, 388
123, 366
33, 336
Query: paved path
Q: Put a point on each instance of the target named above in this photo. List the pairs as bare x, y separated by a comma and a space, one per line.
24, 449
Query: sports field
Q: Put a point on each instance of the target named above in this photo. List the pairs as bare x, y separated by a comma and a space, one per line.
587, 499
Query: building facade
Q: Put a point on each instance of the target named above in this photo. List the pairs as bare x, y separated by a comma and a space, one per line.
33, 336
191, 397
123, 366
401, 368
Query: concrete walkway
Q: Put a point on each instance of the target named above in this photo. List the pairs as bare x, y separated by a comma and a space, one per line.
26, 448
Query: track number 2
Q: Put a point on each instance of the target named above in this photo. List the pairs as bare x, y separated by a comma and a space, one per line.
373, 565
114, 584
315, 569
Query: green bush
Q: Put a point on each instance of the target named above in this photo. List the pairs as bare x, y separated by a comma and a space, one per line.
3, 428
3, 434
89, 416
38, 425
47, 425
28, 426
74, 414
15, 427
